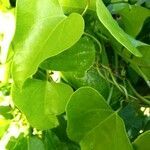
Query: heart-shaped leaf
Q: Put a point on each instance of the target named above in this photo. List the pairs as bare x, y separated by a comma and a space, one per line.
42, 31
41, 101
93, 124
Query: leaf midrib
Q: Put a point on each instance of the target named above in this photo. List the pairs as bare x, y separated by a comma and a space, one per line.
114, 113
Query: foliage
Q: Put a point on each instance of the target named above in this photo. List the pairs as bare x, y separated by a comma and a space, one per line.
99, 50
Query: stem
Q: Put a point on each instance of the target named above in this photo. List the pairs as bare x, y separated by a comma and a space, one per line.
95, 39
110, 94
116, 63
113, 79
147, 96
122, 89
144, 77
86, 8
138, 95
103, 37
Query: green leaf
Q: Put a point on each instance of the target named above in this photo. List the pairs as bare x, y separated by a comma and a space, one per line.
41, 101
78, 58
42, 31
93, 124
52, 142
25, 143
114, 29
35, 144
131, 24
140, 65
91, 78
142, 142
111, 133
77, 5
17, 143
6, 112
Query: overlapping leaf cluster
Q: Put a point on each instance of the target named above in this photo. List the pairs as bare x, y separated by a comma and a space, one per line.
101, 51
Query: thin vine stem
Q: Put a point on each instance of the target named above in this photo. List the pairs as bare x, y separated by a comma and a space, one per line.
144, 77
86, 8
123, 90
137, 94
116, 63
110, 95
110, 81
95, 39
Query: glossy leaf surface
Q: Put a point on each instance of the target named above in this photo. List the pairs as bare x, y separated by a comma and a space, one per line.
78, 58
42, 31
131, 24
77, 5
93, 124
114, 29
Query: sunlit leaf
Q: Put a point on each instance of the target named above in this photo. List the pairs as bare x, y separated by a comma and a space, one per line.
93, 124
131, 24
41, 101
114, 29
42, 31
77, 5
